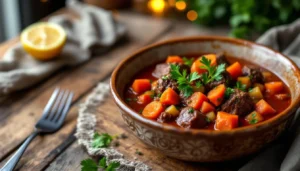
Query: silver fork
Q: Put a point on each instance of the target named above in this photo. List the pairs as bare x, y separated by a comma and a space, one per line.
51, 121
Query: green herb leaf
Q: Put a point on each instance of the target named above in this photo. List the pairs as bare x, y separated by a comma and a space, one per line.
198, 84
253, 118
102, 140
191, 110
183, 79
188, 61
112, 166
102, 163
88, 165
228, 92
213, 73
240, 86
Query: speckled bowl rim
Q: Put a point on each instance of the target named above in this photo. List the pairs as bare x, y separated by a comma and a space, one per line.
279, 118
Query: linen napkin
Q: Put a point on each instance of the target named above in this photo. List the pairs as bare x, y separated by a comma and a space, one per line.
283, 154
94, 32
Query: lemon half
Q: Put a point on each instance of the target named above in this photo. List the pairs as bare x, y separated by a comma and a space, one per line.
43, 40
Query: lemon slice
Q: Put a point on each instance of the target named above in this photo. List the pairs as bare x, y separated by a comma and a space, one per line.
43, 40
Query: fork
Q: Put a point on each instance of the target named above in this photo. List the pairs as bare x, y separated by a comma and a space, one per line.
51, 121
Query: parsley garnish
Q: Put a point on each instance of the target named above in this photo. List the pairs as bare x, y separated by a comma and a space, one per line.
240, 86
253, 118
188, 61
184, 80
191, 110
91, 165
213, 73
228, 92
165, 77
100, 141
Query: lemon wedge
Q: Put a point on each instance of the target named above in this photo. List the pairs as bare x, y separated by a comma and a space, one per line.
43, 40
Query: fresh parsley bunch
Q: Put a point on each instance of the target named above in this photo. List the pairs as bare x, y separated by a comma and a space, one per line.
245, 16
91, 165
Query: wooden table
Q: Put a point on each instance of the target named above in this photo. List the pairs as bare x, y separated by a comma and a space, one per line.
60, 151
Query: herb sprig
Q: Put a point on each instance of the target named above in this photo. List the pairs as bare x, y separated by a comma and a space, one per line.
213, 73
91, 165
184, 80
188, 61
240, 86
100, 141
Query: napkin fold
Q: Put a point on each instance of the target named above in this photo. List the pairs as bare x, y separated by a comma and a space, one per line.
284, 153
94, 32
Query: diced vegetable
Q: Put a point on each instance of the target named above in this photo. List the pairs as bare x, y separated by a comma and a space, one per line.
199, 89
196, 67
211, 116
146, 98
169, 97
274, 87
245, 81
172, 110
264, 108
256, 94
282, 96
260, 86
235, 70
267, 75
153, 110
207, 107
196, 100
141, 85
226, 121
254, 117
154, 85
216, 95
174, 59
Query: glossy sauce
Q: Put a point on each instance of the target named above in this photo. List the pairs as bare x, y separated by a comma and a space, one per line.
278, 105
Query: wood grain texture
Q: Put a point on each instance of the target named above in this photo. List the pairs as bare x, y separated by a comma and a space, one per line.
19, 123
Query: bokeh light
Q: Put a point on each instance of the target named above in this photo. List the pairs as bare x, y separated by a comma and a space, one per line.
171, 3
180, 5
192, 15
157, 6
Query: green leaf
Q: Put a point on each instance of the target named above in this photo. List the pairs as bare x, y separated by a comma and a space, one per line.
198, 84
100, 141
102, 162
239, 19
194, 76
240, 32
88, 165
219, 12
213, 73
228, 92
183, 80
188, 61
240, 86
112, 166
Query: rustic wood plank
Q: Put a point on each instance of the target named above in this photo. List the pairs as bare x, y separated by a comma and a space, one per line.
18, 125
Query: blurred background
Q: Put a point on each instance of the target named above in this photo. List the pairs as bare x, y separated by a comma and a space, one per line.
244, 17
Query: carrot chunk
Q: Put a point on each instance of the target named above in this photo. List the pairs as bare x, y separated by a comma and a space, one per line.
141, 85
153, 110
174, 59
146, 98
206, 107
196, 100
264, 108
196, 67
169, 97
216, 95
226, 121
274, 87
235, 70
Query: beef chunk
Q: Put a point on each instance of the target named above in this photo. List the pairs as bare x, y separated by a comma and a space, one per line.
160, 70
190, 118
221, 59
226, 79
239, 103
165, 117
165, 81
254, 73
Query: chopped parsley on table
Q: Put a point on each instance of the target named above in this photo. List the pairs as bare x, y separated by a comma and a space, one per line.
91, 165
100, 141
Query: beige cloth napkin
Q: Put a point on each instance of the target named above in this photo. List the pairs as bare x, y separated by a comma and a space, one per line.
94, 32
284, 154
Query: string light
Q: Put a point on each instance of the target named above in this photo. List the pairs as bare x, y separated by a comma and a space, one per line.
192, 15
180, 5
157, 6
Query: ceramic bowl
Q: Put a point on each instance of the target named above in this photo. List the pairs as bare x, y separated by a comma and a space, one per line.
198, 144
